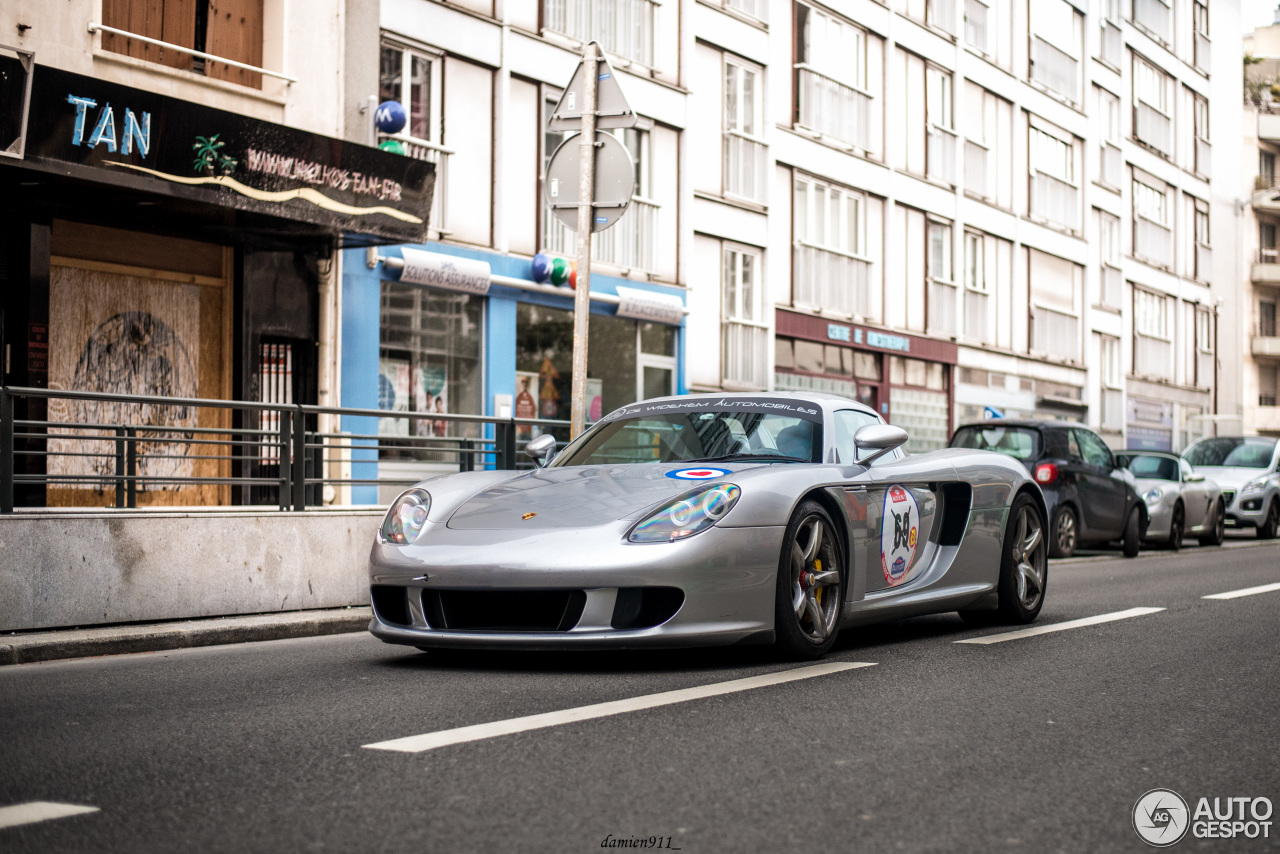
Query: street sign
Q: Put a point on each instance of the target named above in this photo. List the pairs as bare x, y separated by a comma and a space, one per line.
612, 109
615, 181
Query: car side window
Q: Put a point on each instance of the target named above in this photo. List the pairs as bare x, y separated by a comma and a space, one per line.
1095, 450
848, 422
1186, 469
1073, 447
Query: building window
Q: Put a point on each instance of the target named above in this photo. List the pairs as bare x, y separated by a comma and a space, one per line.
413, 78
1111, 49
976, 35
1111, 171
1202, 151
1200, 34
1112, 383
1112, 284
1267, 249
941, 299
1202, 254
988, 121
231, 29
1054, 286
744, 333
1266, 319
940, 151
1152, 236
1204, 347
941, 14
623, 27
1268, 380
744, 150
832, 270
1054, 193
758, 9
1152, 334
831, 78
1156, 18
1056, 41
1152, 118
1266, 170
976, 287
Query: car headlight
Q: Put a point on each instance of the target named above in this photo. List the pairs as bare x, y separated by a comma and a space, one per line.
1254, 486
687, 515
1153, 495
407, 517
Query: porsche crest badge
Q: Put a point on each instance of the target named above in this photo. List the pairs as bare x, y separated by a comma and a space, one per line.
526, 517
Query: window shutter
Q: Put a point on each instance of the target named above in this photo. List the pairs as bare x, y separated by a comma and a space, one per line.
235, 32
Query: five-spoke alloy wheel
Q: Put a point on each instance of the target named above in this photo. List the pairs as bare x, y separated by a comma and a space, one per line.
811, 583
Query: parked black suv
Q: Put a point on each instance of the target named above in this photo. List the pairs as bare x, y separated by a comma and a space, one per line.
1091, 498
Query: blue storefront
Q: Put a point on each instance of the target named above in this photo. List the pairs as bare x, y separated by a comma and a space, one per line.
475, 334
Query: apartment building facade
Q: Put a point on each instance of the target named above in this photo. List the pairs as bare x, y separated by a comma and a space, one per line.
950, 210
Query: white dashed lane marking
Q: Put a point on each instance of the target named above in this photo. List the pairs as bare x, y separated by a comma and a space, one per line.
1248, 591
479, 732
34, 811
1062, 627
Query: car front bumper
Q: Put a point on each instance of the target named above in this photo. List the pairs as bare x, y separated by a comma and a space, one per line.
1247, 511
726, 579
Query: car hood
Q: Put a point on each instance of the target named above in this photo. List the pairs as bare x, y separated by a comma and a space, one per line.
1231, 477
580, 496
1144, 484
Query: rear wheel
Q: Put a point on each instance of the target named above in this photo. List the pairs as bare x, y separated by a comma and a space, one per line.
1024, 563
1217, 532
1177, 527
1063, 541
1132, 536
1267, 530
810, 590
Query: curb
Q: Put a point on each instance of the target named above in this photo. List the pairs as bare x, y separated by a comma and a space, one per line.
160, 637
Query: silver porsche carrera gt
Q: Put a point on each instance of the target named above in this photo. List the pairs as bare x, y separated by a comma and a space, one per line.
701, 520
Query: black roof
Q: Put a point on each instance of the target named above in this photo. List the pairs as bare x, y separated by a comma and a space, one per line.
1025, 422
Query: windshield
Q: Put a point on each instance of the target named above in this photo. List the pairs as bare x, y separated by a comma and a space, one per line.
653, 434
1150, 466
1253, 452
1021, 443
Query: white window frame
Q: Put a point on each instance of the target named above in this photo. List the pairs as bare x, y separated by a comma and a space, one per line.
988, 19
825, 44
1112, 366
435, 105
1043, 149
1152, 314
975, 262
734, 308
853, 205
1150, 84
939, 108
934, 226
1151, 203
735, 74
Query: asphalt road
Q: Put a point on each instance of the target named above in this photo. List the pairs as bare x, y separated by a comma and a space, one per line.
1034, 744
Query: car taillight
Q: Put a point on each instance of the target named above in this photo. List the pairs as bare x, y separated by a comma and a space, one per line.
1046, 473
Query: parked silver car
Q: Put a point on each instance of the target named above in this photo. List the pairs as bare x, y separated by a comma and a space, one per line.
1248, 470
1180, 501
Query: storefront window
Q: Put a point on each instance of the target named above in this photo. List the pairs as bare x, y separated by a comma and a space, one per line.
923, 409
429, 362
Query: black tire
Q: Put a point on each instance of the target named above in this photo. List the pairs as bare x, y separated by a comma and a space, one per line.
1216, 534
1024, 563
1267, 530
1132, 534
810, 586
1177, 526
1065, 532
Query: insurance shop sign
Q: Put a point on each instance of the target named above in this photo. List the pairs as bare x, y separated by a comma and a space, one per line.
104, 132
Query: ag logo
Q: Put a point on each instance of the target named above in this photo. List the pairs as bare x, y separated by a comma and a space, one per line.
899, 533
1161, 817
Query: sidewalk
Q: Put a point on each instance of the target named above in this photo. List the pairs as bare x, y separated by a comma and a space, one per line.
28, 647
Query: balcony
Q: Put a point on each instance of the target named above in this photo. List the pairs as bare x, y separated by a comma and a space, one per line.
832, 281
1054, 201
1266, 270
1055, 334
942, 309
1112, 44
940, 155
629, 243
1111, 166
1055, 70
744, 167
1152, 357
976, 180
1269, 126
758, 9
746, 348
1152, 127
421, 149
832, 108
1152, 242
623, 27
1265, 346
1204, 155
1155, 17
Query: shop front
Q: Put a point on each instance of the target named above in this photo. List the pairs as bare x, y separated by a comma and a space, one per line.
907, 379
470, 332
153, 246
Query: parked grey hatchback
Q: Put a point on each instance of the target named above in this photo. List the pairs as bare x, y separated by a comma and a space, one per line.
1248, 470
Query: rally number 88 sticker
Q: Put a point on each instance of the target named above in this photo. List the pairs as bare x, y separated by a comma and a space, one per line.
899, 533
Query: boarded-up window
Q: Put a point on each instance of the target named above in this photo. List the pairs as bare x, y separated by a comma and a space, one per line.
231, 29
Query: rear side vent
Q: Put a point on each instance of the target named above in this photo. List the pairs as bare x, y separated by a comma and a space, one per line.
645, 607
390, 604
957, 498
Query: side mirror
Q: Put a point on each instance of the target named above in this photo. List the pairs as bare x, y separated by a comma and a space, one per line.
878, 440
542, 449
1195, 477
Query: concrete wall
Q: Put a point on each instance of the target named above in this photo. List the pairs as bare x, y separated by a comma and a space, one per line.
96, 569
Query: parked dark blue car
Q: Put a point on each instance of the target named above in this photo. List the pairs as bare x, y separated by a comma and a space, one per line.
1091, 498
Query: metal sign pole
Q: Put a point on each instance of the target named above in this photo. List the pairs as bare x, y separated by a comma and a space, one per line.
586, 214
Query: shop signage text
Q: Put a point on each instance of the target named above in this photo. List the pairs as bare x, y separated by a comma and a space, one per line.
647, 305
445, 271
879, 340
104, 129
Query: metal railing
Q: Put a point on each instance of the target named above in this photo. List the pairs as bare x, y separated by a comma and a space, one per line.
940, 155
421, 149
1055, 70
630, 243
831, 280
1055, 200
623, 27
744, 166
833, 109
746, 354
95, 27
99, 450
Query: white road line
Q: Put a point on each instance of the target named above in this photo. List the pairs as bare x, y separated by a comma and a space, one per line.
33, 811
1060, 627
443, 738
1248, 591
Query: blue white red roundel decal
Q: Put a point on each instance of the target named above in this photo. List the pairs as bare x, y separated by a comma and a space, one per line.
697, 474
899, 534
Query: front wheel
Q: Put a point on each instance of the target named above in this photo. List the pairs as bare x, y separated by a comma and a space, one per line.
1267, 530
1177, 527
810, 590
1215, 534
1132, 536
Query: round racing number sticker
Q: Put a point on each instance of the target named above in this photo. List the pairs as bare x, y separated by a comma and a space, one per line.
899, 532
697, 474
